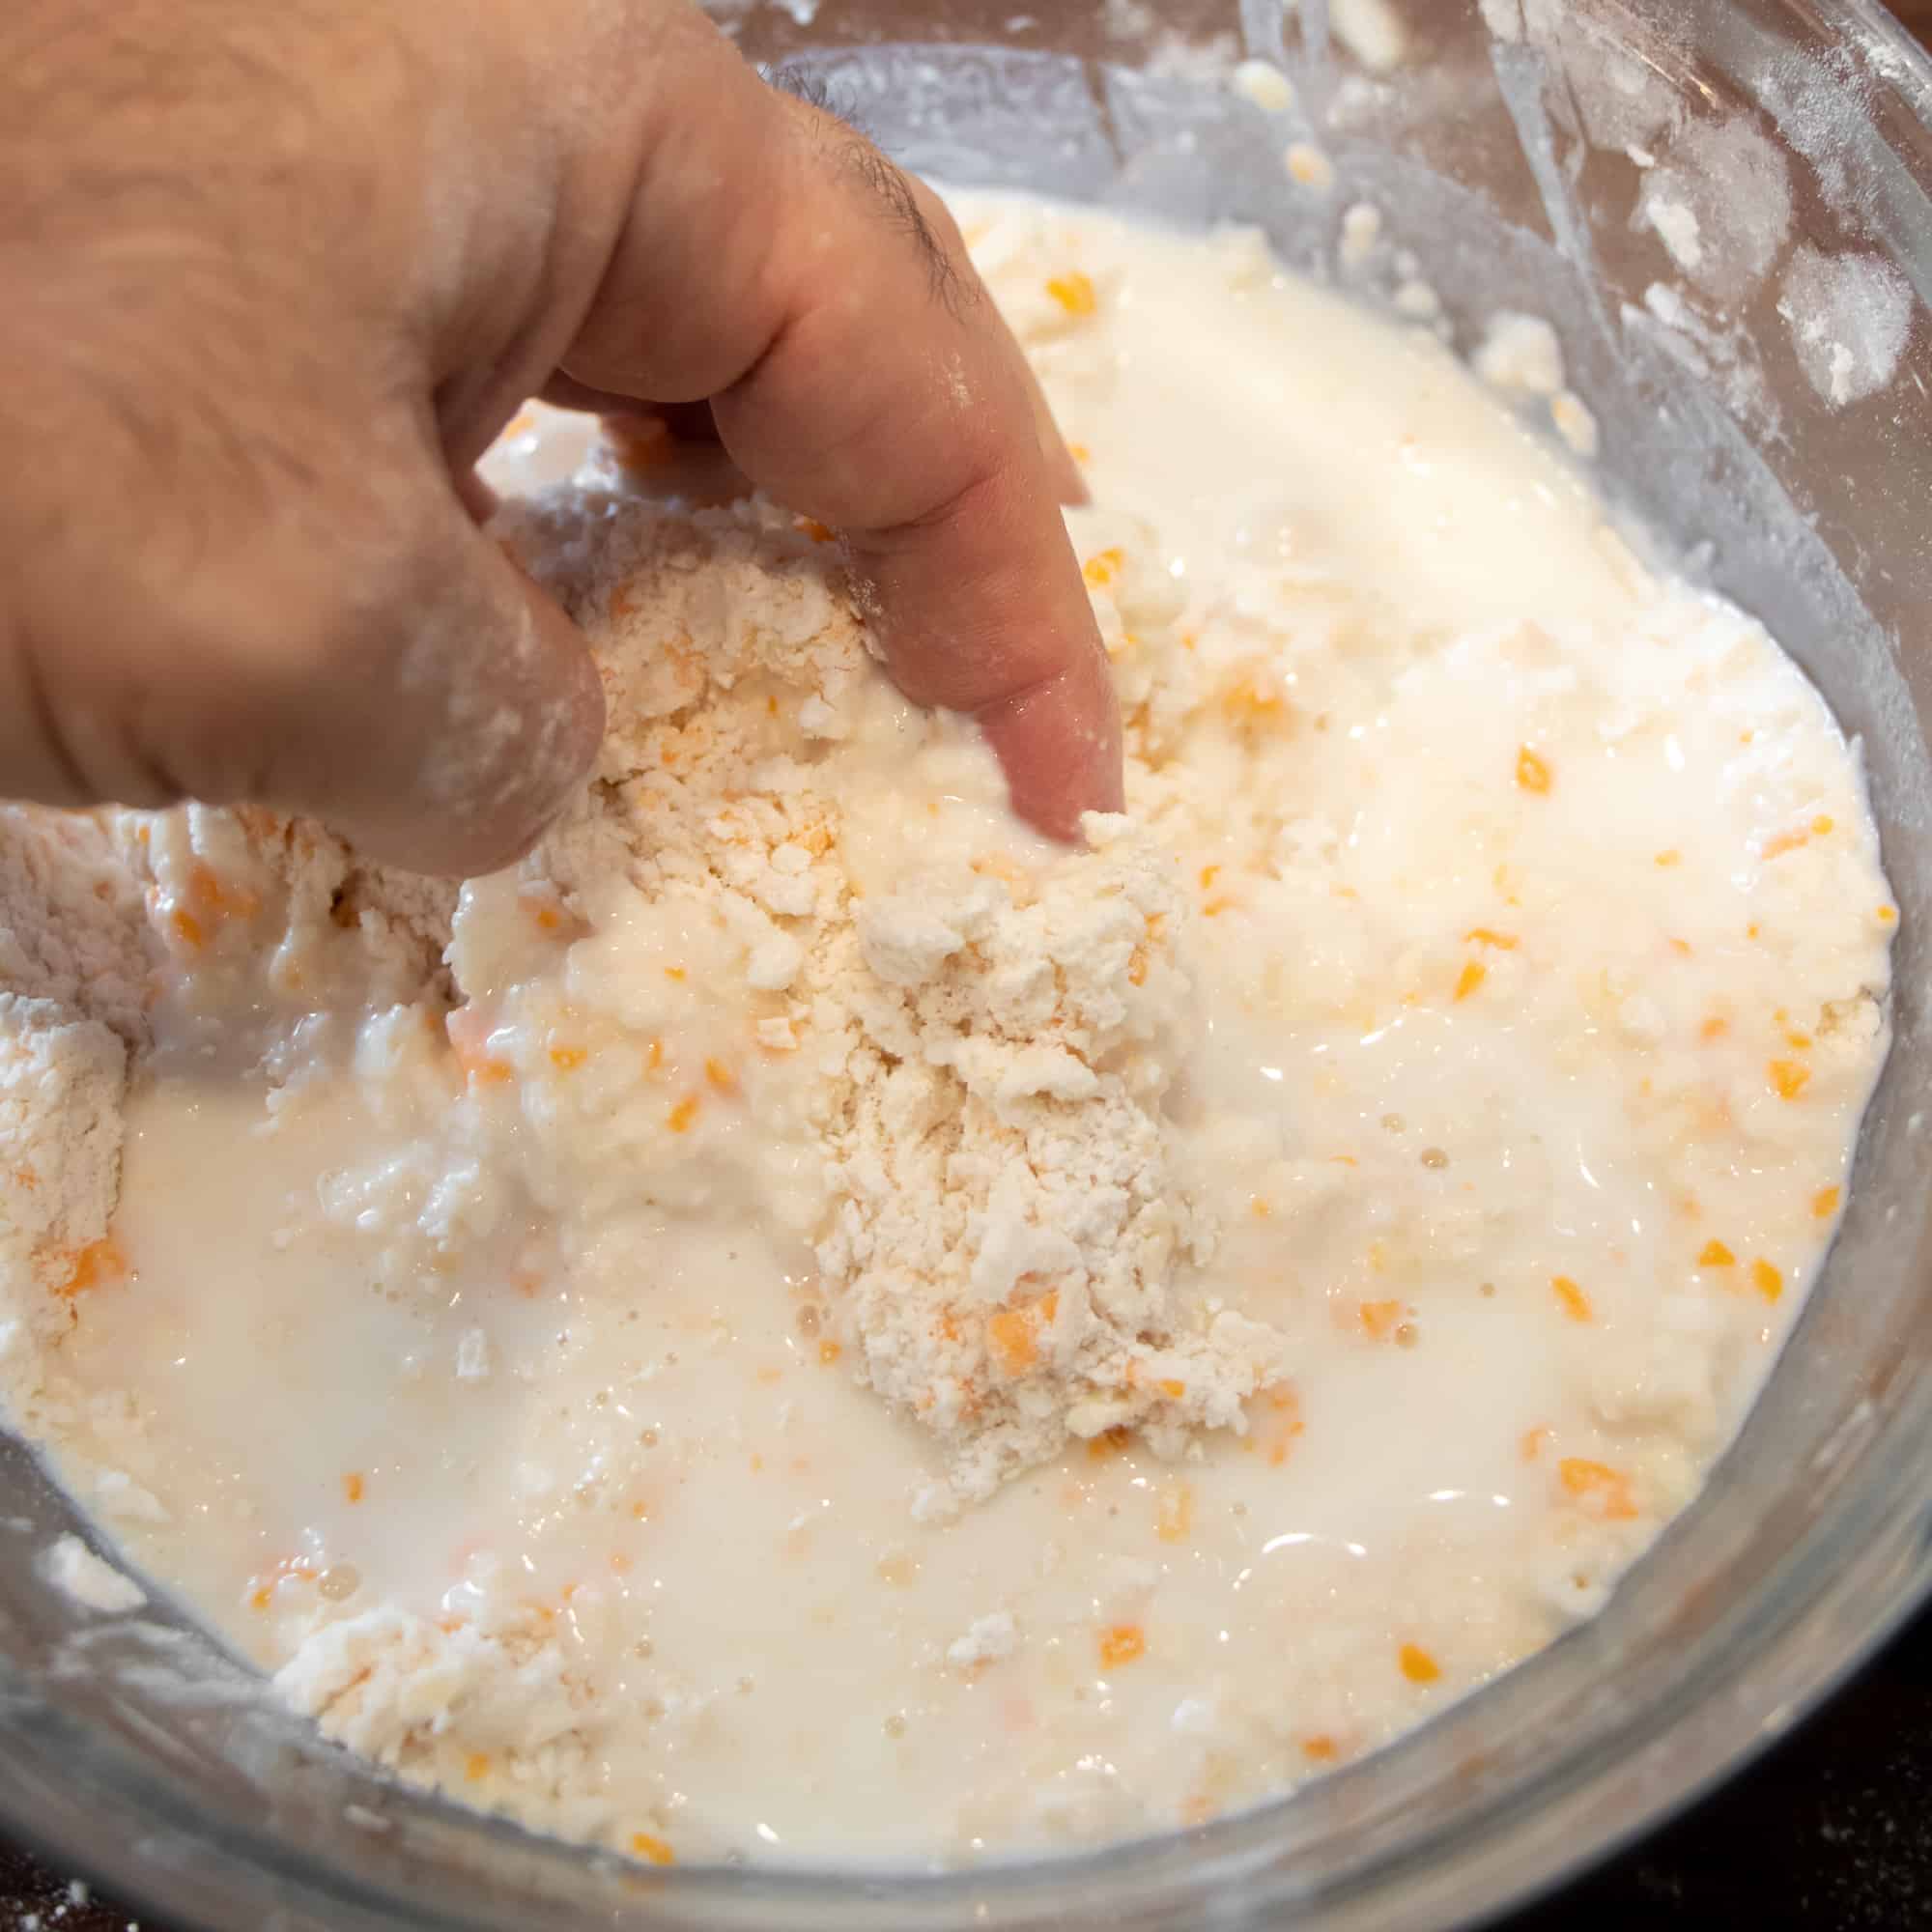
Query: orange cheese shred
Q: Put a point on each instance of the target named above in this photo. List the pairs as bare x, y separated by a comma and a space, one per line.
1575, 1304
1417, 1665
1532, 772
1605, 1490
1380, 1318
95, 1266
1074, 291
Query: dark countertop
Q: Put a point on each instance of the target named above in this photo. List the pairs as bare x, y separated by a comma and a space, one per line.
1832, 1832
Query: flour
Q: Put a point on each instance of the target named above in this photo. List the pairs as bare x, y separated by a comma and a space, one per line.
73, 994
1849, 317
383, 1680
1521, 354
245, 897
1008, 1227
988, 1640
61, 1082
72, 929
1677, 226
977, 1043
1720, 200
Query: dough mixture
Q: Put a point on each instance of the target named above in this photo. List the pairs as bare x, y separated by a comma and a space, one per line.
805, 1321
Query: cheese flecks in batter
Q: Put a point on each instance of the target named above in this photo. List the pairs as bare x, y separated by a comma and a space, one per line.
806, 1320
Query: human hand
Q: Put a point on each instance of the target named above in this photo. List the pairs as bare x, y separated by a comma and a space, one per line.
275, 279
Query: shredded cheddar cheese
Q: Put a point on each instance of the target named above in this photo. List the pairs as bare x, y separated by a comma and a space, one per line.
1575, 1304
1074, 291
1175, 1513
1379, 1319
1532, 772
1011, 1335
640, 443
1417, 1664
1606, 1491
95, 1266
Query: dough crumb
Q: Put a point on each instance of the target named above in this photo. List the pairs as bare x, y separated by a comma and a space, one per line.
1263, 84
1520, 354
73, 1569
988, 1640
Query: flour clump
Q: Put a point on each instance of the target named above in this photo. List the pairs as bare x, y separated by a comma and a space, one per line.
976, 1030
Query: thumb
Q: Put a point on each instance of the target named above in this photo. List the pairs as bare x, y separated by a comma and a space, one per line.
400, 679
482, 716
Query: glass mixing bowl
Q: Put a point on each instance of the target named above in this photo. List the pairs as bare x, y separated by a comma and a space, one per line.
1764, 392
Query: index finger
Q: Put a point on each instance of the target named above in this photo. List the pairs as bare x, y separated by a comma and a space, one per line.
776, 264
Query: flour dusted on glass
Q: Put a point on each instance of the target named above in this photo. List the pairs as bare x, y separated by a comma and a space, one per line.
1849, 317
80, 1575
806, 1320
